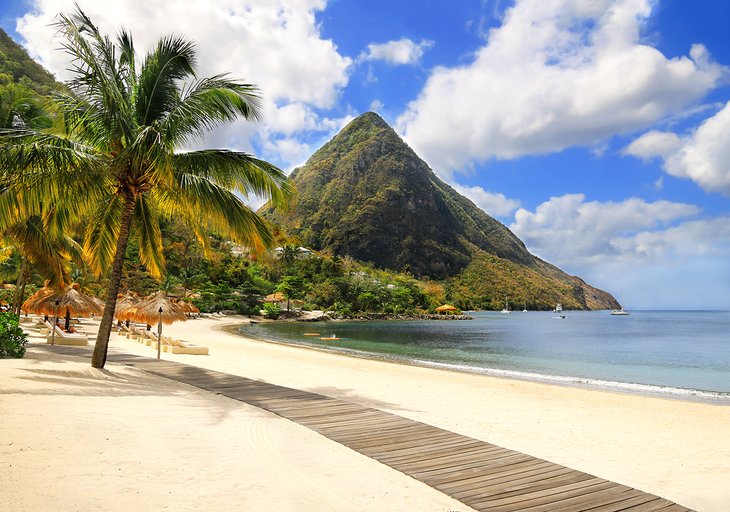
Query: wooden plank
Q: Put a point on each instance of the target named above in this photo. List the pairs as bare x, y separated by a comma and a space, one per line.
547, 478
657, 505
547, 500
477, 468
629, 504
424, 451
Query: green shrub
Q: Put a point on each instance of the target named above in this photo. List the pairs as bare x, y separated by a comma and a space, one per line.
12, 337
272, 310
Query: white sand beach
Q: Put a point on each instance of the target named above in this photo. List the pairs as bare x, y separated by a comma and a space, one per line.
75, 438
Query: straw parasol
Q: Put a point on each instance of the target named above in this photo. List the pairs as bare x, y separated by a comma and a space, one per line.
187, 307
148, 310
126, 303
275, 297
446, 309
49, 301
158, 308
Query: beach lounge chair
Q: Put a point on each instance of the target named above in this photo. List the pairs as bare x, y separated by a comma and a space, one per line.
68, 338
45, 327
182, 347
149, 338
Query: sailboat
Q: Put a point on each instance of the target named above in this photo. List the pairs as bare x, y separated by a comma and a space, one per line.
558, 308
506, 307
524, 309
622, 311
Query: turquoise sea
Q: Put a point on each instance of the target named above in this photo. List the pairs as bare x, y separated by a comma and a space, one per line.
678, 354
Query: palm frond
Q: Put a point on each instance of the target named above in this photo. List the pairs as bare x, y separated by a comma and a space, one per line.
126, 59
96, 73
102, 233
27, 156
157, 88
209, 103
147, 227
202, 203
41, 251
236, 171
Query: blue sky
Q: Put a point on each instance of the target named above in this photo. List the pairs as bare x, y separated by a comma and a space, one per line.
595, 129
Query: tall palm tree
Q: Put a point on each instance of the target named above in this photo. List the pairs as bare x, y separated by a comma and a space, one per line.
118, 163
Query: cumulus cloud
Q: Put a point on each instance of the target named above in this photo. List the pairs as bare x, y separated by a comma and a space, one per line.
703, 156
493, 203
648, 251
555, 74
400, 52
275, 44
570, 230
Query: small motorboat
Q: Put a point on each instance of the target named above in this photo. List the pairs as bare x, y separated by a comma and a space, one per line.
312, 334
331, 337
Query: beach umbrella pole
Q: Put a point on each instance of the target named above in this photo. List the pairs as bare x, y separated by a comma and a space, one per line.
159, 334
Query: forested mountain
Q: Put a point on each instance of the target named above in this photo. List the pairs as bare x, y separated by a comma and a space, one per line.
16, 66
367, 195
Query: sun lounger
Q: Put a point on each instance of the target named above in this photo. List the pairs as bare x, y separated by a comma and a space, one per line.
45, 327
149, 338
182, 347
68, 338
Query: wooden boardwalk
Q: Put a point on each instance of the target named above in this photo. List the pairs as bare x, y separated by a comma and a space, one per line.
479, 474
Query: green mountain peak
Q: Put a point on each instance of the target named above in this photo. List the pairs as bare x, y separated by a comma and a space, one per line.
367, 194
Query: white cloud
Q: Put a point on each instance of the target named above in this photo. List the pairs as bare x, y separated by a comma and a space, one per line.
555, 74
567, 230
648, 251
653, 144
493, 203
376, 105
400, 52
703, 156
275, 44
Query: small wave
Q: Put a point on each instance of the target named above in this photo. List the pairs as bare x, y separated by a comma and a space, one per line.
628, 387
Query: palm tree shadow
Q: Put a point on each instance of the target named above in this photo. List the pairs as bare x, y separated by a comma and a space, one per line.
112, 383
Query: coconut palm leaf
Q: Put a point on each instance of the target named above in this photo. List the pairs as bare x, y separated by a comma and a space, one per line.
147, 226
207, 104
101, 234
157, 90
236, 171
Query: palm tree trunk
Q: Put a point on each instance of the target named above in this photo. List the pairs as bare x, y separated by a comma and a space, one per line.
98, 358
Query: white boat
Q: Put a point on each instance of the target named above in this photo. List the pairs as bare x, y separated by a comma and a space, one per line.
506, 308
558, 308
621, 311
524, 309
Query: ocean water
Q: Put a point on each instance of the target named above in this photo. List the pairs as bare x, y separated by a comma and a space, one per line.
678, 354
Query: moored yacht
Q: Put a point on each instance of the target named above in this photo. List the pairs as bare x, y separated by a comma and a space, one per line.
506, 307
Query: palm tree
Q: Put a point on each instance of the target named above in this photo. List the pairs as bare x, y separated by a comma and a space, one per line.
118, 163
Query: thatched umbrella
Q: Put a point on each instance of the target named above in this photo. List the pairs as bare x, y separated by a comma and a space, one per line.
158, 308
446, 309
275, 297
187, 307
124, 309
49, 301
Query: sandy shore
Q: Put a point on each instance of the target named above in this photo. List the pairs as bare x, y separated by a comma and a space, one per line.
97, 440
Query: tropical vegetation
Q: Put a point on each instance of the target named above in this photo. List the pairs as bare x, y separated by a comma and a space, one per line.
12, 337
